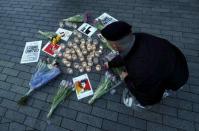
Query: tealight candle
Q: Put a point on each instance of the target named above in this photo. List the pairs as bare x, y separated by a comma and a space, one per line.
89, 48
68, 56
76, 40
81, 69
75, 32
101, 47
81, 58
100, 52
90, 63
64, 61
62, 46
68, 63
88, 68
74, 56
95, 60
79, 35
82, 41
70, 44
93, 47
89, 39
84, 51
67, 50
95, 41
84, 64
89, 58
97, 54
98, 67
76, 65
72, 51
69, 71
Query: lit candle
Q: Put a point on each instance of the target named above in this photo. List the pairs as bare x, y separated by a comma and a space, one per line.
70, 44
74, 57
84, 51
98, 67
95, 41
82, 41
62, 46
68, 63
88, 68
97, 54
69, 71
95, 60
75, 32
81, 69
79, 35
67, 50
76, 65
89, 39
68, 56
81, 58
64, 61
93, 47
84, 64
76, 40
90, 63
72, 51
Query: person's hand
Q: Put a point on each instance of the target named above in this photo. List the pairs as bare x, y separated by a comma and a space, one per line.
123, 75
106, 65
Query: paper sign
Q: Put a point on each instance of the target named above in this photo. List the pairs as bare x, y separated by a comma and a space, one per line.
64, 33
82, 86
106, 19
50, 49
87, 29
31, 52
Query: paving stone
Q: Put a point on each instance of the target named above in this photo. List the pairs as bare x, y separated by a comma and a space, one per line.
15, 116
119, 108
80, 106
112, 126
188, 115
4, 85
30, 111
54, 119
19, 89
55, 128
10, 72
147, 115
6, 64
40, 95
9, 104
89, 119
178, 123
7, 94
66, 112
73, 125
35, 123
16, 126
157, 127
4, 126
104, 113
2, 111
90, 128
14, 80
132, 121
41, 105
3, 77
25, 76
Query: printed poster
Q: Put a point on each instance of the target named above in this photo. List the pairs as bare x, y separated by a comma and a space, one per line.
65, 34
31, 52
82, 86
87, 29
106, 19
50, 49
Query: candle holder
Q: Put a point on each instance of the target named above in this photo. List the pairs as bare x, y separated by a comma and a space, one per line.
100, 51
68, 56
84, 64
82, 46
93, 47
76, 65
79, 35
75, 46
75, 32
68, 63
74, 56
81, 58
98, 67
97, 54
95, 60
95, 42
89, 39
92, 54
101, 47
89, 47
82, 41
65, 55
84, 51
70, 44
89, 58
64, 61
76, 40
88, 68
72, 51
69, 70
81, 69
90, 63
63, 46
67, 50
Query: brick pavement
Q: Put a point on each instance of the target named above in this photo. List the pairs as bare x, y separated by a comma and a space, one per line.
176, 20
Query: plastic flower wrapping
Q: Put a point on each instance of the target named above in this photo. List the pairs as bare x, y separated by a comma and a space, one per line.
65, 89
44, 72
108, 82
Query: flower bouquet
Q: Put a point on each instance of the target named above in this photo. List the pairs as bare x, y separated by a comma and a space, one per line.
108, 83
65, 89
44, 72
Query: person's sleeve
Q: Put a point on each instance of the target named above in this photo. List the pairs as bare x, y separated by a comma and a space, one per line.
116, 62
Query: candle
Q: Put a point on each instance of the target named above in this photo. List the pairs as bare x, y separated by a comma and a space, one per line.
84, 51
67, 50
69, 71
76, 65
81, 69
82, 45
89, 39
81, 58
72, 51
82, 41
68, 63
70, 44
76, 40
89, 58
68, 56
79, 35
95, 60
75, 32
62, 46
93, 47
84, 64
74, 57
98, 67
88, 68
64, 61
97, 54
95, 41
100, 51
90, 63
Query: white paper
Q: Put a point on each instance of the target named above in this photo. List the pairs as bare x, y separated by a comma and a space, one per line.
66, 33
31, 52
106, 19
87, 29
84, 91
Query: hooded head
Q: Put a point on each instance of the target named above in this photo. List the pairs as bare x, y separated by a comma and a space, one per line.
119, 35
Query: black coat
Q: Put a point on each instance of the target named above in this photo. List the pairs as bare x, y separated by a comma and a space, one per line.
153, 65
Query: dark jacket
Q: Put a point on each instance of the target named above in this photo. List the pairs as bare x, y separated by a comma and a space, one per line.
153, 65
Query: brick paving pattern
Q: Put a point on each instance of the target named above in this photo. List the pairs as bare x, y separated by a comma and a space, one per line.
175, 20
